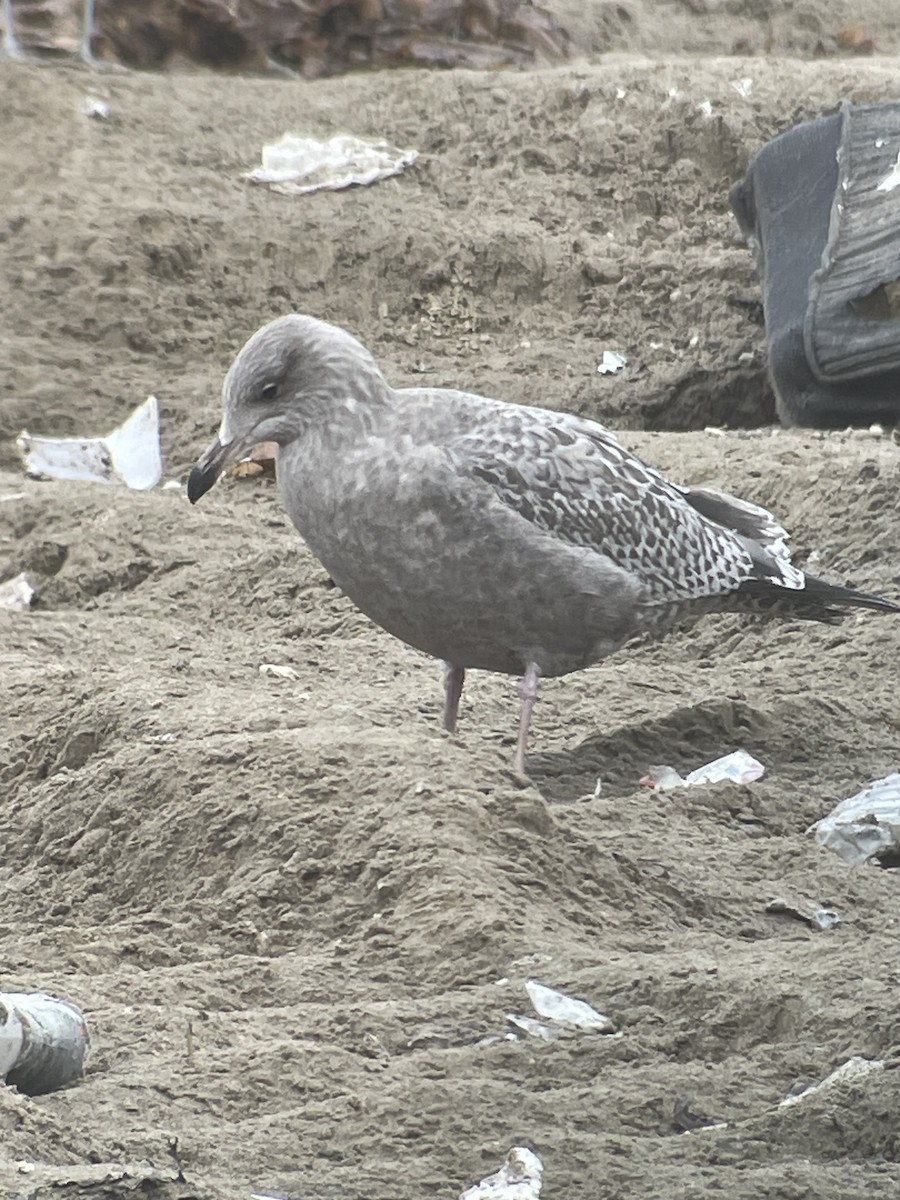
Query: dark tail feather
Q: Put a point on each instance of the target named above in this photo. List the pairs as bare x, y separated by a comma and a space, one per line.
816, 596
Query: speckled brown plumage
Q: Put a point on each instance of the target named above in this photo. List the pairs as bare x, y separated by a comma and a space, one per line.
491, 535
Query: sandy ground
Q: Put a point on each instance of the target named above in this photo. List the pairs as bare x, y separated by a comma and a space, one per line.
293, 909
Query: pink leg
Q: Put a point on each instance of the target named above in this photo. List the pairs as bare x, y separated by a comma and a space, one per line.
528, 690
454, 678
11, 47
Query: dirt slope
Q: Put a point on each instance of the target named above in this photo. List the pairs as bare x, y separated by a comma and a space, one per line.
292, 908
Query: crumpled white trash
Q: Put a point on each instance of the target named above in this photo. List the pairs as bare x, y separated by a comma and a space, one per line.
297, 165
130, 455
518, 1179
737, 767
865, 825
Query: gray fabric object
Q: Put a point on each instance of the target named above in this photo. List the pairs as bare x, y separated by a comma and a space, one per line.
490, 535
818, 207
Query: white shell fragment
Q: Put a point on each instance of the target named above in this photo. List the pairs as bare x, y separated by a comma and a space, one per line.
611, 362
518, 1179
297, 165
737, 767
853, 1068
865, 825
129, 456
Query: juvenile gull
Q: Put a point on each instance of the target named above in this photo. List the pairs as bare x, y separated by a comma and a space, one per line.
492, 535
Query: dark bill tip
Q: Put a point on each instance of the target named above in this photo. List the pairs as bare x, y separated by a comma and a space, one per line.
208, 469
200, 481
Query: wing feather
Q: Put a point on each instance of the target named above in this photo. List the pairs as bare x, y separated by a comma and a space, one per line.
572, 478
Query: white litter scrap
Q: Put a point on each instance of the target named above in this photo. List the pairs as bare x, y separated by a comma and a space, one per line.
559, 1014
611, 362
743, 86
566, 1010
17, 594
807, 911
533, 1027
518, 1179
93, 106
129, 456
296, 166
892, 179
278, 671
853, 1068
864, 826
737, 767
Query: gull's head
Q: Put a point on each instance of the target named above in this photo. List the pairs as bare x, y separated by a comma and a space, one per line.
291, 372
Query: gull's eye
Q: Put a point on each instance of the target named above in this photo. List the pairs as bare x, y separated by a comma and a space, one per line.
269, 392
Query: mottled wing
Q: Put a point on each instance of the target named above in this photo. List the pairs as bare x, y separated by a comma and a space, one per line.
570, 477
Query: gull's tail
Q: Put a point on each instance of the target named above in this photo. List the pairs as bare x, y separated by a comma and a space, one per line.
776, 583
816, 599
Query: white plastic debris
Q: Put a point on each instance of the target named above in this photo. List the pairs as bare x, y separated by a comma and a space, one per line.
853, 1068
737, 767
743, 86
866, 825
518, 1179
130, 455
807, 911
17, 594
534, 1028
611, 362
278, 671
892, 179
93, 106
296, 166
705, 109
566, 1010
560, 1014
